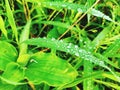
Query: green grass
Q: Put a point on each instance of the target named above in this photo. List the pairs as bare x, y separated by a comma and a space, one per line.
59, 45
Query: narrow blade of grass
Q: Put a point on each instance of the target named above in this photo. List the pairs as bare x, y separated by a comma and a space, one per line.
11, 19
96, 42
109, 84
71, 6
112, 49
2, 27
80, 80
24, 36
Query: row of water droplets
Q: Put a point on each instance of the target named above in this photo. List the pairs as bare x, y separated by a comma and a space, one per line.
75, 50
76, 7
70, 48
69, 6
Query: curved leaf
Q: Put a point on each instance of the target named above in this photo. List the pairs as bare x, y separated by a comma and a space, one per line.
8, 54
13, 72
48, 68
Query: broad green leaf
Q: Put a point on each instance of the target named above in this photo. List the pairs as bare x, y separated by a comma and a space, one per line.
71, 6
48, 68
22, 87
11, 19
2, 27
4, 86
8, 54
13, 72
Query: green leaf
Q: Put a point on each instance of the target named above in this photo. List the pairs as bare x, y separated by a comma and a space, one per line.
53, 33
24, 36
23, 59
109, 84
80, 80
11, 19
112, 49
4, 86
8, 54
71, 6
101, 36
2, 27
48, 68
58, 24
13, 72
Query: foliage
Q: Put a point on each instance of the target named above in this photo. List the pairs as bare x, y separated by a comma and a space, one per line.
59, 45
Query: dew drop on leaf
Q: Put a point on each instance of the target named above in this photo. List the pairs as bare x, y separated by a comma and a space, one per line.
79, 10
80, 51
50, 4
68, 46
44, 37
76, 46
77, 54
69, 7
63, 5
61, 40
53, 39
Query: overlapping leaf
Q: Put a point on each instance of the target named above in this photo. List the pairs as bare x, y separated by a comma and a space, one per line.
7, 54
48, 68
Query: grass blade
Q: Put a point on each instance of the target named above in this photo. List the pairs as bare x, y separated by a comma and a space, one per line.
2, 27
11, 20
112, 49
24, 36
71, 6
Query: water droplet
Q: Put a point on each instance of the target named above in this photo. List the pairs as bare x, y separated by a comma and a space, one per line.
61, 40
76, 46
50, 4
68, 46
80, 51
79, 10
44, 37
32, 60
53, 39
77, 54
39, 4
85, 42
64, 5
80, 40
101, 63
69, 7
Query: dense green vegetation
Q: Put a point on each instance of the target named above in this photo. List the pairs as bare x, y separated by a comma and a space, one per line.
59, 45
